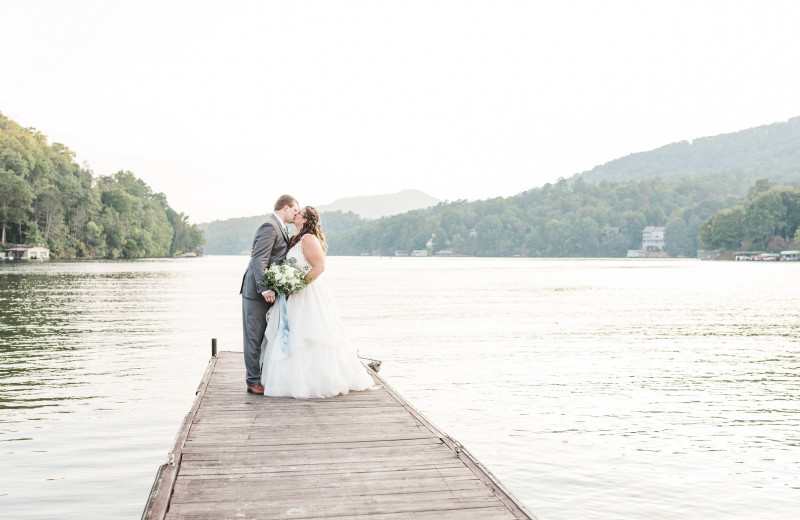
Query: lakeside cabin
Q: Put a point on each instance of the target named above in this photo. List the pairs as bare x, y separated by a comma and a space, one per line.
759, 256
790, 256
27, 252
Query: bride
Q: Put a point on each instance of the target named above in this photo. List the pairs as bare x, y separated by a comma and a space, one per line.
321, 361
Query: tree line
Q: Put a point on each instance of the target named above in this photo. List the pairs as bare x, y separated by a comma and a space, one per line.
235, 236
768, 220
751, 154
558, 220
599, 213
564, 219
46, 198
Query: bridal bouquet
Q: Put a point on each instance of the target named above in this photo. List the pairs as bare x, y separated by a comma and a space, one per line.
285, 277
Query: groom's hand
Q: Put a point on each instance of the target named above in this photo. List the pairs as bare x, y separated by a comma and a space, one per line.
269, 296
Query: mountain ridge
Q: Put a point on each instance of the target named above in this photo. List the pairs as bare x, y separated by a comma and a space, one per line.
599, 213
377, 206
235, 235
767, 150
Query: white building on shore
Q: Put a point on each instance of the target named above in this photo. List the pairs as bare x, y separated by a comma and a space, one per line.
653, 238
27, 252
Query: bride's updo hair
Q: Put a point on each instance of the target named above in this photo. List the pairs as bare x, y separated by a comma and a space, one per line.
312, 225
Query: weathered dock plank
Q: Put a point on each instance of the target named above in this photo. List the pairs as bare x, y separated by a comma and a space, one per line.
366, 455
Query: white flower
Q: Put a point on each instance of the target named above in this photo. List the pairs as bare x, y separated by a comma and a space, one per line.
285, 277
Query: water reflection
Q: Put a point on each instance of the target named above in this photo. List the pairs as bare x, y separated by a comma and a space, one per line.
53, 316
88, 388
602, 389
609, 389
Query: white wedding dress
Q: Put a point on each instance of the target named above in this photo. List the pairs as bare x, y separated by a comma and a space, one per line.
322, 361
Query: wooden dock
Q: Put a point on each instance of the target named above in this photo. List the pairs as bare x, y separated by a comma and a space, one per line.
366, 455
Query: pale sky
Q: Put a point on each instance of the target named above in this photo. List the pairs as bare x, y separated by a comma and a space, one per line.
224, 105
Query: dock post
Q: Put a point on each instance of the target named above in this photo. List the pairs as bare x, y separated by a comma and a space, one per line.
213, 347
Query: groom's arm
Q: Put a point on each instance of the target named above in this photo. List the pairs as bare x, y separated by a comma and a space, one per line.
262, 250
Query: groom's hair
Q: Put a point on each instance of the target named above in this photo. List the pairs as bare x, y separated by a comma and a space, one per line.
285, 200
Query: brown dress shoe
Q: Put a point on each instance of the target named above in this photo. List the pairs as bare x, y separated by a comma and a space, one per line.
257, 389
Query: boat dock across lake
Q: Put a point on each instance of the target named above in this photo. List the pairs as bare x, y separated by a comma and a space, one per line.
365, 455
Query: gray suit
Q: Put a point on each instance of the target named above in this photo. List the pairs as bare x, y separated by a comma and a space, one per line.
269, 246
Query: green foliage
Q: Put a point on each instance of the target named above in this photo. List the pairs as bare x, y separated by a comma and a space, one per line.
45, 197
33, 235
186, 237
724, 230
717, 192
756, 153
16, 197
557, 220
769, 218
235, 236
231, 237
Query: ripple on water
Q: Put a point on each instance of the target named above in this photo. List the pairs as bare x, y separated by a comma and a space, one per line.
593, 389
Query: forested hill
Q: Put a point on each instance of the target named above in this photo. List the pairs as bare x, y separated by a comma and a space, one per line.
734, 179
235, 235
558, 220
771, 151
377, 206
45, 197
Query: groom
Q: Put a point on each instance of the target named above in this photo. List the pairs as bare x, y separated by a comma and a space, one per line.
269, 246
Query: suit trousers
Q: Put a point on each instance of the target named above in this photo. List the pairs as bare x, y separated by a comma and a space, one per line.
254, 324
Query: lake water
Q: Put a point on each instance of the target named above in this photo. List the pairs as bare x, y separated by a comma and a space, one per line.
603, 389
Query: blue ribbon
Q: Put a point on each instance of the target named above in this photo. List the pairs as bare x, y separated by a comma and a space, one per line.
283, 325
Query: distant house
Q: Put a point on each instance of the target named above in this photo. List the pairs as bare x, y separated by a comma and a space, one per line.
419, 252
28, 252
609, 230
400, 253
653, 238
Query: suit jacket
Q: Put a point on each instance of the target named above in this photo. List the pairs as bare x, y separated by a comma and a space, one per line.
270, 245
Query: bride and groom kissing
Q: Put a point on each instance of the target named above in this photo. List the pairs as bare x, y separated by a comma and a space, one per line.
321, 361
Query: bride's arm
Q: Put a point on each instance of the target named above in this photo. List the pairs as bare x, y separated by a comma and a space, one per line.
313, 252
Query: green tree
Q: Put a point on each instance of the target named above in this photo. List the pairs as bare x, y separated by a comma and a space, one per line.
582, 238
676, 236
765, 217
15, 202
33, 235
724, 230
52, 199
